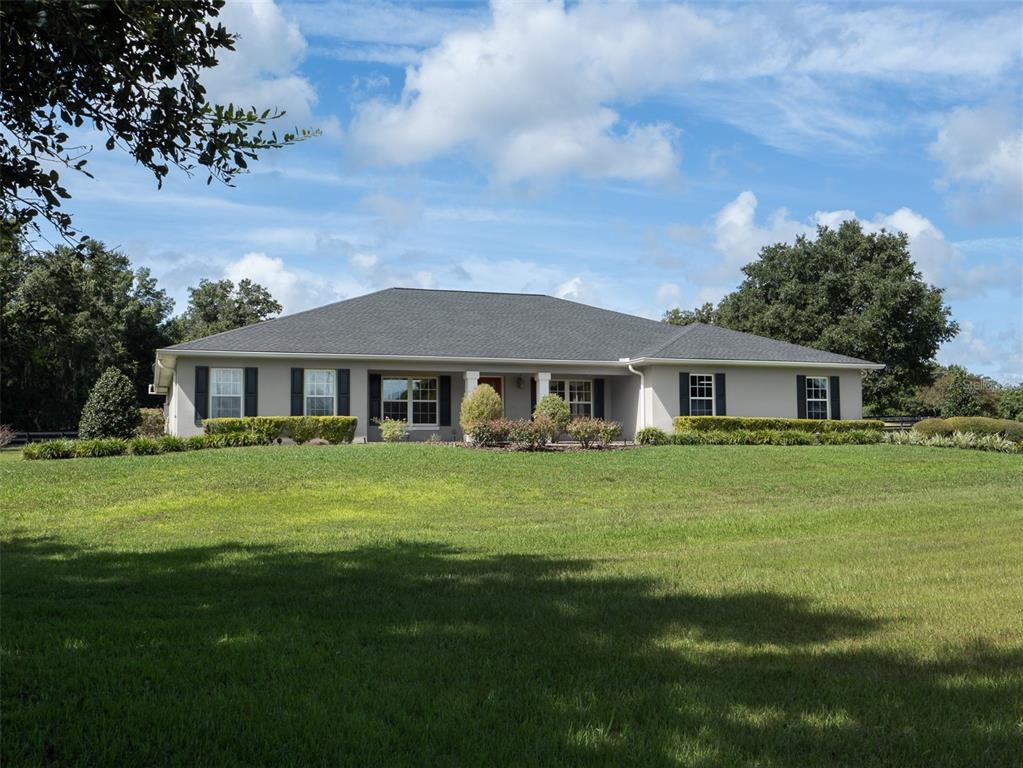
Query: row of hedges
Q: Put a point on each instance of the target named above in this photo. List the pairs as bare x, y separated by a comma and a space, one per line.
654, 436
136, 446
301, 429
730, 423
535, 433
976, 425
967, 440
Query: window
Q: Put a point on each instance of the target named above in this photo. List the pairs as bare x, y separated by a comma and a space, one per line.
701, 394
578, 395
225, 393
405, 397
816, 397
320, 393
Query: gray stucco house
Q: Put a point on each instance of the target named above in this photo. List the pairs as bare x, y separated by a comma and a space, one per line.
412, 354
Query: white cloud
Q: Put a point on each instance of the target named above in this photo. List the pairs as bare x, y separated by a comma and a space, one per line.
572, 288
424, 279
981, 152
262, 71
540, 90
394, 214
364, 260
668, 292
294, 290
1000, 353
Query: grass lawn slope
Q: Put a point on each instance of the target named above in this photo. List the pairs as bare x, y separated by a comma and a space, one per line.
424, 605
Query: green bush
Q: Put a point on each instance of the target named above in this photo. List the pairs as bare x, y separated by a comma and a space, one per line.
652, 436
852, 437
774, 437
301, 429
111, 410
724, 423
488, 433
219, 426
335, 429
199, 442
151, 423
931, 427
483, 404
995, 443
100, 446
50, 449
978, 425
962, 397
556, 410
584, 430
393, 430
533, 434
1010, 403
143, 446
609, 432
172, 444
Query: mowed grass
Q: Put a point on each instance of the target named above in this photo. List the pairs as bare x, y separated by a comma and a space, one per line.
429, 605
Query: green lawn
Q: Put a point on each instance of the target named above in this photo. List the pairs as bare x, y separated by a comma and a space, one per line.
427, 605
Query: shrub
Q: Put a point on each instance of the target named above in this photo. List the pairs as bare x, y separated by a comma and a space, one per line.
172, 444
979, 425
995, 443
931, 427
488, 433
961, 396
585, 430
556, 410
723, 423
609, 432
111, 410
393, 430
483, 404
1010, 404
334, 429
143, 446
652, 436
301, 429
534, 434
100, 446
6, 435
219, 426
50, 449
151, 423
852, 437
199, 442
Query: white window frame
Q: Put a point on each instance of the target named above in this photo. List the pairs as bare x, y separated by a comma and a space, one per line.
566, 385
702, 398
409, 399
240, 396
333, 390
826, 399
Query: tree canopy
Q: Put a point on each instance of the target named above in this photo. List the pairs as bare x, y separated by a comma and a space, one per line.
703, 314
219, 305
849, 292
132, 71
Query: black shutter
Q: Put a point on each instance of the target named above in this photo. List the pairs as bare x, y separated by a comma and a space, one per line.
251, 391
374, 397
444, 395
719, 395
683, 394
836, 400
297, 386
800, 397
202, 393
598, 398
532, 396
344, 389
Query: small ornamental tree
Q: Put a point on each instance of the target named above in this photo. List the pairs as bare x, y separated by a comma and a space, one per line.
961, 397
480, 405
111, 410
555, 409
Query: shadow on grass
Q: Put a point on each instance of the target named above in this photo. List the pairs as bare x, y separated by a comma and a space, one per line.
419, 654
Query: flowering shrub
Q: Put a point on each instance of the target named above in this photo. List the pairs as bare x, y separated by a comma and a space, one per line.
532, 435
488, 433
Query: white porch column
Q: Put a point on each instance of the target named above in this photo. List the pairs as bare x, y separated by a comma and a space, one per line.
472, 380
543, 385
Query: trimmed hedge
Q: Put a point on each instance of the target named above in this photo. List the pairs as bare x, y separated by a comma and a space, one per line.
775, 437
301, 429
976, 425
730, 423
653, 436
136, 446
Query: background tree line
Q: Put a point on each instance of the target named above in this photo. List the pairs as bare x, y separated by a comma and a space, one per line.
69, 313
858, 294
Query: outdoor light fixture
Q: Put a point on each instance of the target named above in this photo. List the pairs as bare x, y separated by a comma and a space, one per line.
518, 382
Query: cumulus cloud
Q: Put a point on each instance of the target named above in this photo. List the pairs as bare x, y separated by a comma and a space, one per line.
668, 292
295, 290
364, 260
540, 90
980, 151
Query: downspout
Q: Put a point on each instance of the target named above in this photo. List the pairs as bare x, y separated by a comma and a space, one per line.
642, 396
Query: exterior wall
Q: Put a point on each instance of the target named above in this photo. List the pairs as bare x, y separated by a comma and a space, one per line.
749, 391
274, 394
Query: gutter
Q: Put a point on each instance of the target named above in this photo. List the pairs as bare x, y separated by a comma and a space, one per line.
642, 397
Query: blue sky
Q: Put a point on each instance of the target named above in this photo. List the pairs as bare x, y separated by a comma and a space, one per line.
629, 156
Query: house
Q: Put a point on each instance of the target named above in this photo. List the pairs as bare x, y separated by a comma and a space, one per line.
412, 354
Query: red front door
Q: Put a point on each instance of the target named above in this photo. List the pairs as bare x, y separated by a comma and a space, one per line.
496, 382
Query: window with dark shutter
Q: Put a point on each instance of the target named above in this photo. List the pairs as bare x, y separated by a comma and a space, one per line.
297, 391
344, 388
374, 397
251, 391
598, 398
800, 397
201, 401
683, 394
444, 406
719, 395
836, 402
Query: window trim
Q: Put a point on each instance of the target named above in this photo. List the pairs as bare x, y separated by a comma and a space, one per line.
568, 389
826, 399
713, 393
305, 390
408, 378
241, 393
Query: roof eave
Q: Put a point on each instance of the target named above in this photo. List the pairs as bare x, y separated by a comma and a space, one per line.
853, 365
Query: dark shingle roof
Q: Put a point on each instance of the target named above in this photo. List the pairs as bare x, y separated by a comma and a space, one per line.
426, 323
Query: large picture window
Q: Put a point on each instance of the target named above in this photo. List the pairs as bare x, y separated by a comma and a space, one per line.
413, 400
320, 392
701, 394
225, 393
577, 393
816, 397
